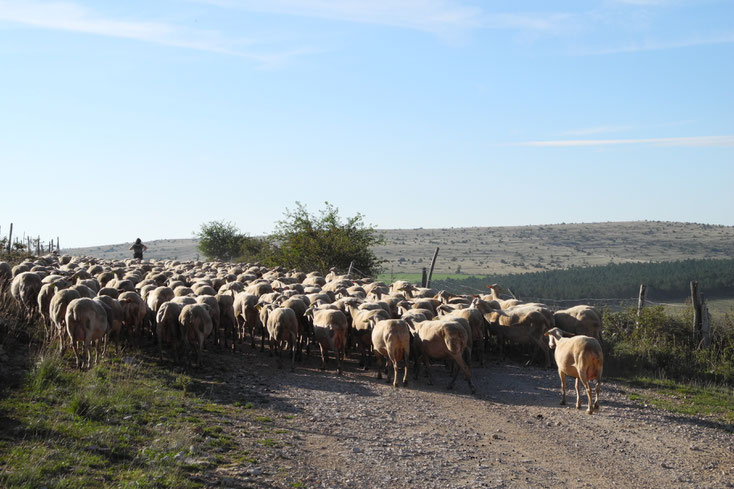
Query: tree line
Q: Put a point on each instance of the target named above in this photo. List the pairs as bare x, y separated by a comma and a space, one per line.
666, 280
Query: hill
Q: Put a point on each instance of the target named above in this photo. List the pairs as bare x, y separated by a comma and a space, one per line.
510, 249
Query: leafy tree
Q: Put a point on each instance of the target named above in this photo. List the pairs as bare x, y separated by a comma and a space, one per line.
308, 242
220, 240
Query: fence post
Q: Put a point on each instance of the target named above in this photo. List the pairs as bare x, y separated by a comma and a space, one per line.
349, 272
641, 299
57, 243
705, 324
10, 237
424, 278
696, 302
433, 263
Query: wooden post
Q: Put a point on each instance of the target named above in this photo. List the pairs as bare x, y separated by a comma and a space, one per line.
705, 324
641, 299
433, 263
349, 272
57, 243
38, 246
696, 302
10, 237
511, 293
424, 278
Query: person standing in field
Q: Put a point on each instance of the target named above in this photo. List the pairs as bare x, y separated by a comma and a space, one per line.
138, 247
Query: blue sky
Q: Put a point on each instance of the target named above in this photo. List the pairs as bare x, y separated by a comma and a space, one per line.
148, 118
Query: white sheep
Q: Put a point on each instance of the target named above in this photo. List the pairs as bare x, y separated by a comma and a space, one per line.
391, 341
580, 357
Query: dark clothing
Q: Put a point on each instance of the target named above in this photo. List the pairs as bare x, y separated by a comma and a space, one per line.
138, 250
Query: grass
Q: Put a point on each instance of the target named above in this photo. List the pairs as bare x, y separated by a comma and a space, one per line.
711, 401
117, 425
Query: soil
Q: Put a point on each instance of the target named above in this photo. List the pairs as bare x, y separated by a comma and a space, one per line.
315, 429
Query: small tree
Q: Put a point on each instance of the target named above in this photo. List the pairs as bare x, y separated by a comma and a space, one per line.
220, 240
307, 242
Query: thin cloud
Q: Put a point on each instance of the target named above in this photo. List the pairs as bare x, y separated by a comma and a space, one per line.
428, 15
659, 45
67, 16
697, 141
435, 16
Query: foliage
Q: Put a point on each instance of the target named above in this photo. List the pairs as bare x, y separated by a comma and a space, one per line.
660, 343
308, 242
667, 280
223, 241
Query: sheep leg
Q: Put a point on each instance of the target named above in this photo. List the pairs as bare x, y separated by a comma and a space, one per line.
578, 396
467, 373
405, 367
379, 366
598, 390
293, 352
324, 357
563, 386
428, 370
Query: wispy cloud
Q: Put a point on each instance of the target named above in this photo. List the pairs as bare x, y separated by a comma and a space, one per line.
658, 45
611, 129
699, 141
428, 15
69, 16
435, 16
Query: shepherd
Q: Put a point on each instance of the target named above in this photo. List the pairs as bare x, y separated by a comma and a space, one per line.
138, 247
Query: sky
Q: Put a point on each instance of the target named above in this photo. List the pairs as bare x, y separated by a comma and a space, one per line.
148, 118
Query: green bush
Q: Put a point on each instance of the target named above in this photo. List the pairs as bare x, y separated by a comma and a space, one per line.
660, 344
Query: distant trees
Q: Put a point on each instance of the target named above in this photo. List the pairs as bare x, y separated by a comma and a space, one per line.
669, 280
308, 242
223, 241
300, 240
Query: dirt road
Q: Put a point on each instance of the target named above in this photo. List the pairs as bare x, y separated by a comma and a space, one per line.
357, 432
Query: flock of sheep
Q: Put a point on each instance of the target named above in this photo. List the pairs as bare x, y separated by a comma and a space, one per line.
86, 302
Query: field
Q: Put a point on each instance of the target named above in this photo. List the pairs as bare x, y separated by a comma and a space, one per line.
499, 250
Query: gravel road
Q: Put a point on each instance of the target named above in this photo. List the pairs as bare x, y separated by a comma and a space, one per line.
354, 431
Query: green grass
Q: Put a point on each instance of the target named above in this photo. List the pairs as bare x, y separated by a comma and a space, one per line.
116, 425
711, 401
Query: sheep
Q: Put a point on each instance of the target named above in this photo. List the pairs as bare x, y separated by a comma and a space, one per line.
196, 326
246, 314
115, 317
441, 338
583, 320
504, 304
329, 329
227, 320
57, 312
213, 304
158, 296
44, 305
580, 357
25, 288
109, 291
86, 322
478, 326
519, 324
391, 341
6, 275
282, 326
168, 328
134, 311
361, 330
299, 307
